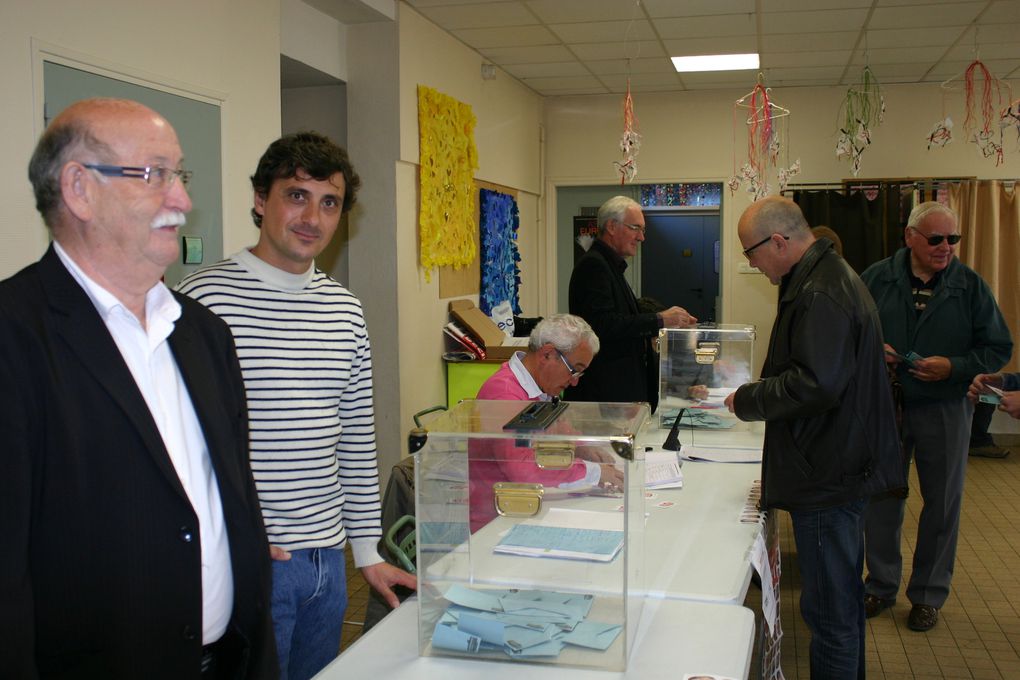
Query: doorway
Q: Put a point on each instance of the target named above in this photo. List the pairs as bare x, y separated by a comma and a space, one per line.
680, 261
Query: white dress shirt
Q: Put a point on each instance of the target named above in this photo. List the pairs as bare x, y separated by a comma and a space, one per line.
147, 355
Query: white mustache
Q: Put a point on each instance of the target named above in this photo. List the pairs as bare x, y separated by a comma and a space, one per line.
170, 218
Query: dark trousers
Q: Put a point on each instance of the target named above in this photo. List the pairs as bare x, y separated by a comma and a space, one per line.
979, 425
830, 553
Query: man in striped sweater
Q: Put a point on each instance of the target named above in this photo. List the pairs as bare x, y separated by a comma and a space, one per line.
307, 366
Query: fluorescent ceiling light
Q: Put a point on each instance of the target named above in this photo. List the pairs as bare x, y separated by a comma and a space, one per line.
715, 62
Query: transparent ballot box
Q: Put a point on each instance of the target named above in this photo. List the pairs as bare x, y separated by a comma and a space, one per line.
524, 555
698, 368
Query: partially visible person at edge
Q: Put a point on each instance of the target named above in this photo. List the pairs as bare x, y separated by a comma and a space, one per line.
830, 428
942, 327
600, 295
133, 543
307, 366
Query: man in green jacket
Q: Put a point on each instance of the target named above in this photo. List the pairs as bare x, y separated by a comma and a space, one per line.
942, 327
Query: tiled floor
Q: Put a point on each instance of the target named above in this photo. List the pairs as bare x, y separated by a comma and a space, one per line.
978, 634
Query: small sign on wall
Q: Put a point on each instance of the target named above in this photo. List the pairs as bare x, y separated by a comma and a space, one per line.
192, 249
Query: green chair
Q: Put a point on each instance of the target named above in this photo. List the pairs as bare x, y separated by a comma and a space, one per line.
403, 551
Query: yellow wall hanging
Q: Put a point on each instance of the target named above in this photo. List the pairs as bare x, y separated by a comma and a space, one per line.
448, 159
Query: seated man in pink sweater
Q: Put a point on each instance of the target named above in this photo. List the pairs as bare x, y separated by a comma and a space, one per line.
559, 350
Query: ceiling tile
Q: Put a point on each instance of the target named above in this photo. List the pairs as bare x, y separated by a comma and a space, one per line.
715, 25
603, 31
798, 5
624, 66
916, 16
721, 45
819, 73
809, 42
798, 59
693, 8
514, 36
813, 20
640, 80
452, 17
984, 53
576, 82
526, 55
1001, 12
567, 11
548, 70
418, 4
635, 50
911, 37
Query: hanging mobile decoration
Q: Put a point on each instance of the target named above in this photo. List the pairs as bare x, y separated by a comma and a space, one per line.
862, 110
1010, 118
764, 141
630, 141
988, 141
978, 126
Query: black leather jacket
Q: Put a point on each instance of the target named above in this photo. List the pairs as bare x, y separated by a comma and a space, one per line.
830, 434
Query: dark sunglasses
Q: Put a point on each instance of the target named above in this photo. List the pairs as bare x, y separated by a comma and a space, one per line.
936, 239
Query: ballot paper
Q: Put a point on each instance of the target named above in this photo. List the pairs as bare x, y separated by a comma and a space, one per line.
521, 624
566, 534
663, 470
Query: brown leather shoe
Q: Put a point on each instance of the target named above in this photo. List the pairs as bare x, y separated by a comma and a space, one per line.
990, 451
922, 617
873, 605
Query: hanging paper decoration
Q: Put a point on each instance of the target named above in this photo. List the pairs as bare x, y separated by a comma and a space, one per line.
861, 112
630, 141
982, 124
448, 158
1010, 118
987, 139
501, 273
765, 139
941, 134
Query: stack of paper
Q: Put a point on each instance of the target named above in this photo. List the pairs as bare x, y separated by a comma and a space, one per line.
566, 534
522, 623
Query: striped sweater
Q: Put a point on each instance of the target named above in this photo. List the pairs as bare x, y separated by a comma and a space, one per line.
307, 367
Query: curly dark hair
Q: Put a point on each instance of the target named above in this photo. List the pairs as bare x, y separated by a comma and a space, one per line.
312, 153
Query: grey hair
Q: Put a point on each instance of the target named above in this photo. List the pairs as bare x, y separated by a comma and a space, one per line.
615, 209
922, 210
61, 141
781, 216
564, 332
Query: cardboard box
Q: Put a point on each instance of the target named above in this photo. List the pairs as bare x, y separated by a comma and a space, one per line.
498, 345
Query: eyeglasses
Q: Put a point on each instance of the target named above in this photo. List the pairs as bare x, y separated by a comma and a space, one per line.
155, 176
759, 244
574, 373
936, 239
634, 227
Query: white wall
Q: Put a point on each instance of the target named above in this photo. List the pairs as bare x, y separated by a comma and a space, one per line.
690, 137
229, 48
507, 137
313, 38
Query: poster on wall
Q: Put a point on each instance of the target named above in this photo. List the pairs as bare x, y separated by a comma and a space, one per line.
586, 229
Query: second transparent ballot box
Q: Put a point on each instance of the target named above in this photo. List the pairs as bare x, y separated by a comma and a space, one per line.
698, 368
530, 523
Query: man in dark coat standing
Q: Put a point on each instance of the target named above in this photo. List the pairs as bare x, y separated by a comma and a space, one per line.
133, 542
830, 429
600, 295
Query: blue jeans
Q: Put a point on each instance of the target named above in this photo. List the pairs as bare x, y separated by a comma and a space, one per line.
309, 601
830, 552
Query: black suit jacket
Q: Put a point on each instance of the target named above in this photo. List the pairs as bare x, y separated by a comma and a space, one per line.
100, 575
601, 296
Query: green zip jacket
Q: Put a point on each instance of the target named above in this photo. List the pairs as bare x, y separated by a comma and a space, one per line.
962, 322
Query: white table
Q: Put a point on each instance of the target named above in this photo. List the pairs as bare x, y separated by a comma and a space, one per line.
674, 637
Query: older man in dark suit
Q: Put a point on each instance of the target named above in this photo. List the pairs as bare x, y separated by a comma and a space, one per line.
134, 546
600, 295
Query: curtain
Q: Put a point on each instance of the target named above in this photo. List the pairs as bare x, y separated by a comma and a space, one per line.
989, 213
871, 228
